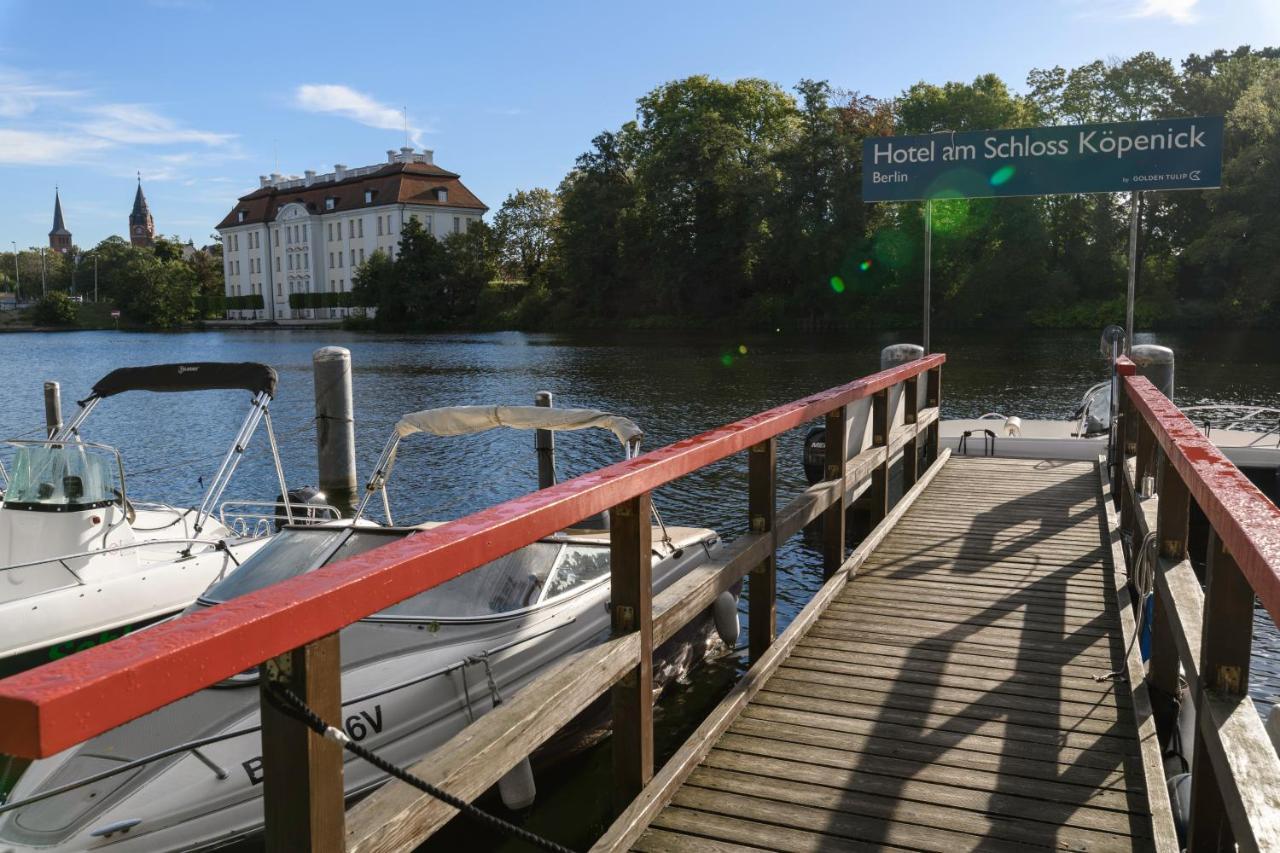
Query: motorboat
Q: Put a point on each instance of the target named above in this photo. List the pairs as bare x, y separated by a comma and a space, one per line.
1247, 435
189, 776
82, 561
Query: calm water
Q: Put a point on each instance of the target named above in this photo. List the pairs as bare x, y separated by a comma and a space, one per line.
674, 385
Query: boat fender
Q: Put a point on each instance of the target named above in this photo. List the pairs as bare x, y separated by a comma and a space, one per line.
1180, 799
728, 624
1013, 426
517, 788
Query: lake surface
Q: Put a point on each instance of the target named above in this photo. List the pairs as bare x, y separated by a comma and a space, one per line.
674, 384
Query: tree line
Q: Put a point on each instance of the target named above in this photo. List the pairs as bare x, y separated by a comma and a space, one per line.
164, 286
739, 199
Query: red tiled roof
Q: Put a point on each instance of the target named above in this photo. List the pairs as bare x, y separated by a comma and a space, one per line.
394, 183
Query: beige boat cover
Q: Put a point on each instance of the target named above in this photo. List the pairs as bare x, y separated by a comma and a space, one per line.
465, 420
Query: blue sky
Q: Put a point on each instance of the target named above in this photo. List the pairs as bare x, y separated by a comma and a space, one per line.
200, 95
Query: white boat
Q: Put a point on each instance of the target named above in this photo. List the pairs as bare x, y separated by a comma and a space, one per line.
1247, 435
188, 776
82, 562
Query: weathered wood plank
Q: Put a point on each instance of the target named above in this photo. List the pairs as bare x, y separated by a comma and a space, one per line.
943, 806
951, 695
906, 744
632, 822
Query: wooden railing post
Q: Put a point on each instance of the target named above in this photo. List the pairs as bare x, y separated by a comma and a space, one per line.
762, 506
1173, 511
301, 771
1226, 642
933, 398
879, 494
631, 609
911, 450
833, 518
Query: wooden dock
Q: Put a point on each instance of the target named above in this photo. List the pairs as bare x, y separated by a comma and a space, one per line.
952, 696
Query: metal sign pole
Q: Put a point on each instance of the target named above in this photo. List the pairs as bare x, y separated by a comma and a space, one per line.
1135, 202
928, 266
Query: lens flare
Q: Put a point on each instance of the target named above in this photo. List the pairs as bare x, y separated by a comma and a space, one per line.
837, 284
864, 266
742, 349
727, 360
1002, 175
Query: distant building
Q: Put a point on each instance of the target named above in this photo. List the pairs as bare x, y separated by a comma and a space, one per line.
310, 234
142, 230
59, 237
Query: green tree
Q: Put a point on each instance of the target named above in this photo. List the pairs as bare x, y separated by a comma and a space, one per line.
55, 309
524, 229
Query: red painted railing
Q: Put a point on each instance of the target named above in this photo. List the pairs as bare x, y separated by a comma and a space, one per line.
1202, 624
1246, 521
68, 701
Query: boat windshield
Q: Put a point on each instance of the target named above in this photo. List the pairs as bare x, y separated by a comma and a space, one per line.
62, 477
509, 583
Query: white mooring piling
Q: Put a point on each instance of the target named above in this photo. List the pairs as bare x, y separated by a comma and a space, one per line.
335, 427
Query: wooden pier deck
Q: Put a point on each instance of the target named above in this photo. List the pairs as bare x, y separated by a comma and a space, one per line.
949, 696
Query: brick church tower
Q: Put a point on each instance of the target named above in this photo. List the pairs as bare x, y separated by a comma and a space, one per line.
142, 230
59, 237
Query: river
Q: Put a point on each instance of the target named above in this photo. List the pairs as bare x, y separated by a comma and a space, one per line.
674, 384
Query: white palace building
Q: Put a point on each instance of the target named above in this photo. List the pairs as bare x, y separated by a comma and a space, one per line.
310, 234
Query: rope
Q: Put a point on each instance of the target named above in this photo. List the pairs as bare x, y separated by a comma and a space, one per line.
289, 703
1143, 578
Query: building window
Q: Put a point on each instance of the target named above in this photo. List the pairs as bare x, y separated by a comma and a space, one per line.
362, 256
331, 260
351, 228
239, 216
430, 229
368, 196
339, 260
353, 257
361, 228
330, 230
457, 222
307, 261
330, 203
379, 226
442, 194
277, 263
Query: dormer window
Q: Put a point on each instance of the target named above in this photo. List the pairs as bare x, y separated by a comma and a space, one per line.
368, 196
239, 216
442, 194
330, 203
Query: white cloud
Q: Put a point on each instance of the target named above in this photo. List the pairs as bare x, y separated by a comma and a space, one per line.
20, 95
135, 124
38, 148
1177, 11
357, 106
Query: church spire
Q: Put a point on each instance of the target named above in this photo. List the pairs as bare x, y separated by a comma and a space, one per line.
59, 237
142, 229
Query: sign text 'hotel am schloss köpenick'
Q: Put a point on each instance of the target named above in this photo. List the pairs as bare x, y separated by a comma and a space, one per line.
1163, 154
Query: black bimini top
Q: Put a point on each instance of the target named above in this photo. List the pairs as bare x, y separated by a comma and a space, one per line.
189, 376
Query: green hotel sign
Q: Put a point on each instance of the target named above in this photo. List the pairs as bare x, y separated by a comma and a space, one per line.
1164, 154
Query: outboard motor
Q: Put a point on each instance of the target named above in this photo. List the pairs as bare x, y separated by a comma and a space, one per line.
306, 502
895, 354
1156, 363
815, 454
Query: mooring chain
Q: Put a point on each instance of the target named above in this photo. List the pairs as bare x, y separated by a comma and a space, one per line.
289, 703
